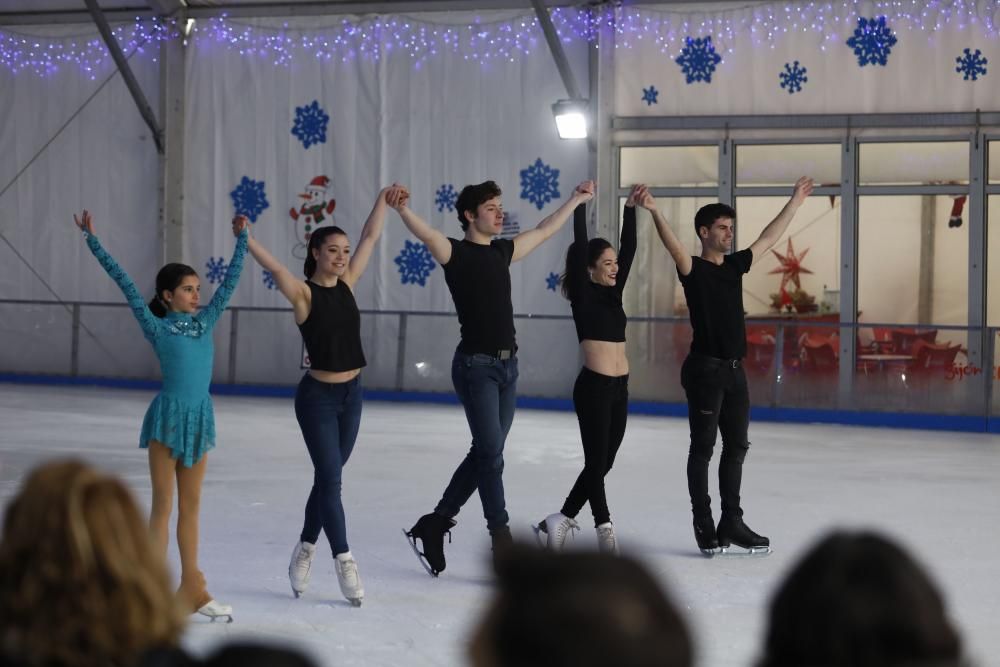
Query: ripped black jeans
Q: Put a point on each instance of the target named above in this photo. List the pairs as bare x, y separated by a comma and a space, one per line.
718, 400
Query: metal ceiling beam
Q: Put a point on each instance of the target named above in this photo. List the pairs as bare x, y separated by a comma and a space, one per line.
556, 47
126, 72
166, 7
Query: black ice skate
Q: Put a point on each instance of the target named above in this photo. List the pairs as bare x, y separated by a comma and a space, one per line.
430, 529
502, 542
705, 536
732, 531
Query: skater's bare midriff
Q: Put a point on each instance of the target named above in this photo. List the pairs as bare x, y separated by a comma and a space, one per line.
605, 357
334, 377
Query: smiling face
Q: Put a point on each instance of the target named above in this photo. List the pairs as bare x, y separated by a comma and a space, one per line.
604, 271
718, 237
333, 255
488, 218
185, 297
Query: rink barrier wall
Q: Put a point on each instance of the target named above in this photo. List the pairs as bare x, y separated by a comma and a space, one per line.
921, 421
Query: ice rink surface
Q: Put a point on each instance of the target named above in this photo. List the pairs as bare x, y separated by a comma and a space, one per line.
936, 492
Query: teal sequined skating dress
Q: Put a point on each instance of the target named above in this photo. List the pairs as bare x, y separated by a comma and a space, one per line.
181, 416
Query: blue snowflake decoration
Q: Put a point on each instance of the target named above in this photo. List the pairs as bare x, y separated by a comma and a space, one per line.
872, 41
972, 65
698, 59
310, 124
415, 263
216, 269
649, 96
445, 197
539, 184
552, 281
793, 77
249, 198
268, 278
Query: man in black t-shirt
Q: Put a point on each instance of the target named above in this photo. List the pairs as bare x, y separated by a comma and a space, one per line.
484, 369
712, 374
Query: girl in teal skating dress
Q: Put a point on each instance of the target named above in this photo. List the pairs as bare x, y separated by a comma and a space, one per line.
179, 426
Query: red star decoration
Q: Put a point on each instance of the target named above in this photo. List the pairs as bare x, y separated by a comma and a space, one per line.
791, 266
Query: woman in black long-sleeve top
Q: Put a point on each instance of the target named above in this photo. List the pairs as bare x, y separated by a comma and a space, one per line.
593, 282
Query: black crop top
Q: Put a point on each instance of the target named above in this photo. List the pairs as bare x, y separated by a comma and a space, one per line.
332, 332
597, 309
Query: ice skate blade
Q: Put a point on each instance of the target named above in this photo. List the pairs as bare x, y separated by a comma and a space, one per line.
412, 541
736, 550
710, 553
214, 611
355, 602
296, 593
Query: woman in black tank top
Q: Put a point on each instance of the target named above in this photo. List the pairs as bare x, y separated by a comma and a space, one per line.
593, 282
328, 399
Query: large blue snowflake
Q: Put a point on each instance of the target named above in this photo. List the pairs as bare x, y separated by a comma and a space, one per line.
698, 59
872, 41
445, 197
539, 183
793, 77
216, 269
415, 263
249, 198
310, 124
268, 278
552, 281
649, 95
972, 65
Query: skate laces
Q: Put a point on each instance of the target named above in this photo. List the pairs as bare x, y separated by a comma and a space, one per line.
565, 527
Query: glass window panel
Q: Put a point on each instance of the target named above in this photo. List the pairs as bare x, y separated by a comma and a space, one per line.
654, 290
994, 162
669, 166
782, 164
993, 261
814, 234
912, 265
915, 163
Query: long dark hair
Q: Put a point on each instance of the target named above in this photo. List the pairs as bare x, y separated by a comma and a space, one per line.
168, 279
567, 280
316, 242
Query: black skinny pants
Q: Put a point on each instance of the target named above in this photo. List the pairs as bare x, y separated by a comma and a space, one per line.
601, 403
718, 400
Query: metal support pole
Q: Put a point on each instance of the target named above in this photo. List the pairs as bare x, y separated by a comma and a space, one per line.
400, 351
558, 54
74, 350
234, 336
126, 72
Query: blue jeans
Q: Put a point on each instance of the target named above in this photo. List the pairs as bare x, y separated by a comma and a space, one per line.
329, 416
487, 388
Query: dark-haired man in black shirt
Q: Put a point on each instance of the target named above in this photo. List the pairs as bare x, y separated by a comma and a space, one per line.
484, 369
712, 374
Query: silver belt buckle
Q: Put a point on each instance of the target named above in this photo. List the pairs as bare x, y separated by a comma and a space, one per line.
503, 355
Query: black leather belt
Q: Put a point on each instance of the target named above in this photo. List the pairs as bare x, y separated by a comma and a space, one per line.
730, 363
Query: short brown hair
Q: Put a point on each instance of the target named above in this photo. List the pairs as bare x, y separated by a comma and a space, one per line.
80, 581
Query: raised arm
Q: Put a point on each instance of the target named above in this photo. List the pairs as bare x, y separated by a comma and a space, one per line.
626, 245
370, 234
436, 242
211, 313
777, 227
527, 241
292, 288
149, 323
682, 258
578, 259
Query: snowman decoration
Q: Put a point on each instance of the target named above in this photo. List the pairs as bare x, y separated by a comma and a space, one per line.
312, 213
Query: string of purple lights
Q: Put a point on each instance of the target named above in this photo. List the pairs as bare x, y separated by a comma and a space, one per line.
485, 42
